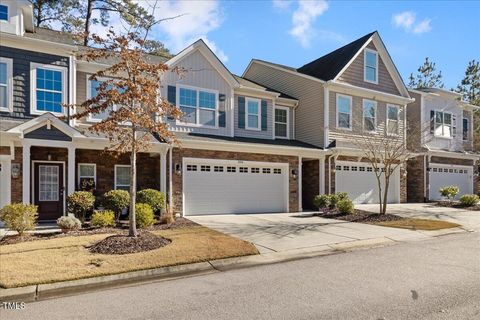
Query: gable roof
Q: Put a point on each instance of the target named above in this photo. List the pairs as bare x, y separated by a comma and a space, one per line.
46, 119
254, 85
330, 65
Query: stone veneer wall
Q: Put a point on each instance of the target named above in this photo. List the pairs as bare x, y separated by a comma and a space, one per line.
178, 155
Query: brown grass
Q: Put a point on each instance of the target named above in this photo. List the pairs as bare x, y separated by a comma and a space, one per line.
62, 259
418, 224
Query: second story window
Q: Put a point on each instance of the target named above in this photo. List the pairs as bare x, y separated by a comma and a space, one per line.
392, 119
253, 114
369, 115
443, 124
6, 90
48, 89
465, 129
3, 12
199, 107
344, 112
371, 66
93, 87
281, 122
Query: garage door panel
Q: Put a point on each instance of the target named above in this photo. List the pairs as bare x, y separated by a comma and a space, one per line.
447, 175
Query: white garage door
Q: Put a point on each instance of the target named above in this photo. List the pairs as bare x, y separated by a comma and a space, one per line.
359, 181
220, 187
447, 175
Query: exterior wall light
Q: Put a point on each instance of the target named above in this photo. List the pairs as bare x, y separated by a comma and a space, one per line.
178, 169
15, 170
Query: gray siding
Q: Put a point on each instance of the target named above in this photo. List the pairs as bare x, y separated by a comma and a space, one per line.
309, 114
81, 92
254, 133
414, 111
48, 134
21, 77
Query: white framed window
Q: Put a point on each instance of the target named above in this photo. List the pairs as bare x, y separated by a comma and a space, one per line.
48, 183
443, 124
465, 129
369, 115
49, 89
122, 177
281, 122
344, 112
252, 114
92, 91
87, 172
199, 106
370, 62
6, 84
392, 119
3, 12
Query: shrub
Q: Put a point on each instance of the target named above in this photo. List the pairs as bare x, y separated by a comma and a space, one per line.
342, 195
449, 192
19, 217
144, 215
67, 223
103, 218
167, 216
333, 200
80, 203
117, 201
469, 200
153, 198
345, 206
321, 201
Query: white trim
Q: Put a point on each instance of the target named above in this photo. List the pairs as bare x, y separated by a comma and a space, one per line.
442, 124
8, 12
9, 63
33, 87
115, 175
287, 123
389, 105
365, 65
32, 186
87, 164
72, 88
299, 180
363, 115
326, 116
338, 95
7, 184
197, 124
38, 122
259, 115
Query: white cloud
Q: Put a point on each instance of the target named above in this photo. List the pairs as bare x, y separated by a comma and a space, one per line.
407, 21
304, 17
281, 4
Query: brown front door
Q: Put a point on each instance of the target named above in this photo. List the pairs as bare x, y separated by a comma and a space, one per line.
48, 185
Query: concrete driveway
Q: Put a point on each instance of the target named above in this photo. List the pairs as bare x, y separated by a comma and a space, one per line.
288, 231
469, 219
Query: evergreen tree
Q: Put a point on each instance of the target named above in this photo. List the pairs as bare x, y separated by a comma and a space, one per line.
427, 77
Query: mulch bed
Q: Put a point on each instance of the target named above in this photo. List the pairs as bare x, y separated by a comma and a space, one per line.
123, 244
360, 216
179, 223
457, 205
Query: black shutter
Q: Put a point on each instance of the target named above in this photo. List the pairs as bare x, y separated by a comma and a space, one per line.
454, 126
221, 119
432, 121
172, 97
264, 115
241, 112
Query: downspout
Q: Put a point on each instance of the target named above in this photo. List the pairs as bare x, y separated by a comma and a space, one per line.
326, 109
170, 184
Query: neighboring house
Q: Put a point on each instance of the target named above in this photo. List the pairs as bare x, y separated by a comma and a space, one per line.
444, 146
354, 88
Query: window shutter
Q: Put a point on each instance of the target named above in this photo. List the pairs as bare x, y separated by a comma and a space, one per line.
264, 115
171, 97
432, 121
454, 126
221, 119
241, 112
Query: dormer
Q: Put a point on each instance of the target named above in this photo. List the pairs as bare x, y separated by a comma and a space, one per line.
16, 17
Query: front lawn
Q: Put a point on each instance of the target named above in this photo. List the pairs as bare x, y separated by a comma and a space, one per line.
418, 224
67, 258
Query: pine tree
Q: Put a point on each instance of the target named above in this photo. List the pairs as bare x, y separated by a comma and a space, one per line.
427, 77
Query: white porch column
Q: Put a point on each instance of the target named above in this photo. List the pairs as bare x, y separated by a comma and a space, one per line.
321, 187
163, 172
26, 187
299, 178
71, 170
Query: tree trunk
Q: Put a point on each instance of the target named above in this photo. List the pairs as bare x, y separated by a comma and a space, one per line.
379, 182
39, 13
132, 229
385, 194
88, 17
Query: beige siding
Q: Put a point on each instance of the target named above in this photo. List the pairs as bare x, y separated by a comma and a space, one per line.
345, 138
309, 114
354, 75
81, 91
414, 117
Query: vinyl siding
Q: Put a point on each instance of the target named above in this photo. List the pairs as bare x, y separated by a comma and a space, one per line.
414, 116
201, 74
309, 113
254, 133
468, 144
81, 92
354, 75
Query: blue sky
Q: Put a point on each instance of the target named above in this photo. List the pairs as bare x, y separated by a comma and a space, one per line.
296, 32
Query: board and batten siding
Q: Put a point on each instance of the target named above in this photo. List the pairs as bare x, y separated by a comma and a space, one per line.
309, 123
21, 78
246, 133
344, 137
200, 73
354, 75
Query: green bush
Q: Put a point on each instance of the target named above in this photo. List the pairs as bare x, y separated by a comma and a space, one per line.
80, 203
345, 206
67, 223
342, 195
333, 201
321, 201
116, 201
19, 217
153, 198
469, 200
449, 192
103, 219
144, 215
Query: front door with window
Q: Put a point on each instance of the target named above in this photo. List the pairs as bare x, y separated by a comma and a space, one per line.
48, 196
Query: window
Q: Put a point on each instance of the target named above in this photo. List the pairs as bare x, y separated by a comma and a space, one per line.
218, 169
371, 66
231, 169
87, 175
243, 170
392, 119
252, 114
369, 115
277, 171
122, 177
3, 12
48, 183
265, 170
443, 124
6, 84
361, 168
48, 88
255, 170
465, 129
205, 168
191, 167
281, 122
92, 87
344, 112
199, 106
